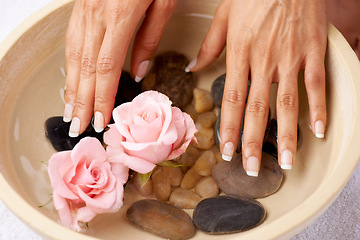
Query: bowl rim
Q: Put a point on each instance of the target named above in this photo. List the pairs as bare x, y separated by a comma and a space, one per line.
322, 197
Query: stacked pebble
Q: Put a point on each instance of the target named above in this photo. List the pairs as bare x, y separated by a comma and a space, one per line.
186, 185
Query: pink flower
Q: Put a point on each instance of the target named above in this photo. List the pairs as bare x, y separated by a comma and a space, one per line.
148, 131
85, 183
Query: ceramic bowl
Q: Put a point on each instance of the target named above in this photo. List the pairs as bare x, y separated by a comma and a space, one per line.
31, 82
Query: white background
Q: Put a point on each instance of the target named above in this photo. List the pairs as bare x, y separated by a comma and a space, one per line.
340, 221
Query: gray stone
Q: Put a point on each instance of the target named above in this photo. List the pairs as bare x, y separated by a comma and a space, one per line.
228, 214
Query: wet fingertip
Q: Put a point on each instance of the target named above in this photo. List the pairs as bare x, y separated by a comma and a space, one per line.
191, 65
74, 127
252, 166
142, 70
228, 151
68, 112
319, 129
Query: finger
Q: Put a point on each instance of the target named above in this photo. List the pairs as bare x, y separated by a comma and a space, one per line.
84, 103
214, 41
256, 117
235, 89
287, 115
112, 54
73, 52
149, 35
315, 87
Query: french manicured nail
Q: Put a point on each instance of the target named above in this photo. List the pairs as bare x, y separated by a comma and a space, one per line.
142, 70
74, 127
68, 112
319, 129
286, 159
191, 65
98, 122
252, 166
228, 151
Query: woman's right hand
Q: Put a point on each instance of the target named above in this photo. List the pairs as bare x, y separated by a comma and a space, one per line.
97, 41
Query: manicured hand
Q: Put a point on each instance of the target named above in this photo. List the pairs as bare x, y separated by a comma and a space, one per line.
97, 41
271, 41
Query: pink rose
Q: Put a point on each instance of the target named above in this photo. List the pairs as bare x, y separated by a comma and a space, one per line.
148, 131
85, 183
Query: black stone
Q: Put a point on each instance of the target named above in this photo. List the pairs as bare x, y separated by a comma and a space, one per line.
168, 76
233, 180
57, 131
128, 89
228, 214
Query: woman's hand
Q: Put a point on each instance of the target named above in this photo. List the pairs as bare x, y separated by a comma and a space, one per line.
97, 40
271, 40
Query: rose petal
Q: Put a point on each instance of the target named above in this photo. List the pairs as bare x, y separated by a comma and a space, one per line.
67, 216
123, 116
113, 137
85, 214
88, 148
146, 132
179, 122
155, 153
117, 155
59, 164
100, 201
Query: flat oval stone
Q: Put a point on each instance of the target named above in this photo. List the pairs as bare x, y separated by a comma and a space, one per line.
168, 76
162, 219
228, 214
233, 180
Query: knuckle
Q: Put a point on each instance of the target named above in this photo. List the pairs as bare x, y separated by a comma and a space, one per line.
74, 54
81, 103
229, 128
101, 100
287, 101
257, 108
119, 10
234, 97
253, 144
105, 65
88, 65
287, 139
315, 80
151, 44
70, 95
241, 46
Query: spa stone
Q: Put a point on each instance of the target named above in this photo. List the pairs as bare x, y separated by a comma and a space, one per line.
168, 76
228, 214
162, 219
233, 180
57, 131
128, 89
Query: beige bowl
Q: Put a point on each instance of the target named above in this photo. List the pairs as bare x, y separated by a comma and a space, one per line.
31, 82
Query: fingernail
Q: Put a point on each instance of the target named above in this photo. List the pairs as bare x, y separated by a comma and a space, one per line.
142, 70
191, 65
74, 127
68, 112
252, 166
228, 151
98, 122
286, 159
319, 129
